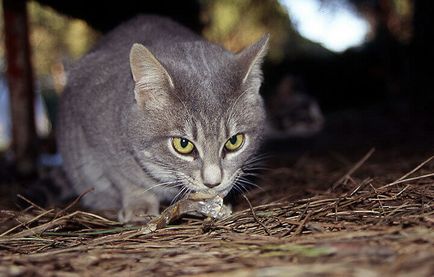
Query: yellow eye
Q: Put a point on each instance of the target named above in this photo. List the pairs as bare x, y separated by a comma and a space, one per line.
182, 145
234, 142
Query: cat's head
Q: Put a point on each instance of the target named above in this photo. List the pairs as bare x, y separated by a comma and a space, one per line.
198, 116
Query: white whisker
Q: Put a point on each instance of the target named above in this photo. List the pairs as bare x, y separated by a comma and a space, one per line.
252, 174
177, 195
176, 184
257, 168
182, 192
243, 189
245, 182
237, 188
258, 158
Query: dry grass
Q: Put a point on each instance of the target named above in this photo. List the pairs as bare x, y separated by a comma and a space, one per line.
364, 227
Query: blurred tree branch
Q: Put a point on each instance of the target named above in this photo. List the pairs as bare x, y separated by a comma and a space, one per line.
20, 80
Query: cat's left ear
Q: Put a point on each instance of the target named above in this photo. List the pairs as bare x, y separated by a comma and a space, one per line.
251, 58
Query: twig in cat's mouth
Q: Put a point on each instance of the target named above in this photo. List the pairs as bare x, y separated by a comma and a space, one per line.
195, 203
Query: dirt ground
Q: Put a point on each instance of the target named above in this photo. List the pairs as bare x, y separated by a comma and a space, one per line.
357, 200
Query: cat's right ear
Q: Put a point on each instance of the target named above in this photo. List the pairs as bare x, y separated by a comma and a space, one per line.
152, 81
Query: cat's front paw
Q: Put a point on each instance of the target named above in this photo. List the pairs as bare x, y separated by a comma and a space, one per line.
139, 209
135, 216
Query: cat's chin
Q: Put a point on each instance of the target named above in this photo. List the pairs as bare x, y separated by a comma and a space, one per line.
213, 192
221, 193
170, 194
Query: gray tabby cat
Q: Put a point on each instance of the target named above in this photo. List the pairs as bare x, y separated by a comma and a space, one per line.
154, 112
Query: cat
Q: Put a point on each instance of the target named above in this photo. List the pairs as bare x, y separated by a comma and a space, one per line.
154, 112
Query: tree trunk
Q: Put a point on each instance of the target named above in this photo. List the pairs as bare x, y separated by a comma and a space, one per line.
20, 82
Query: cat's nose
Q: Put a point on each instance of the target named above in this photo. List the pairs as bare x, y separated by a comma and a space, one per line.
211, 176
211, 185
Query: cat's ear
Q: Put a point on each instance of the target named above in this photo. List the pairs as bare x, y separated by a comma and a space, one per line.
151, 78
251, 59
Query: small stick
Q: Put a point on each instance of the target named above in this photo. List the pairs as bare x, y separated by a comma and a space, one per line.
353, 169
399, 193
56, 221
25, 223
402, 178
407, 180
75, 201
336, 208
31, 203
305, 210
415, 169
255, 217
288, 231
391, 213
301, 226
379, 200
362, 184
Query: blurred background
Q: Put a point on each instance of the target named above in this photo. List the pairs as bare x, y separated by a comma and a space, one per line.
345, 75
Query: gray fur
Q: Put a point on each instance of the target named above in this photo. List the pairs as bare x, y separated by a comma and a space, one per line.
115, 131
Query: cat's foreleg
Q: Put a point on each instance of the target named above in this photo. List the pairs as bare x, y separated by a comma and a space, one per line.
138, 206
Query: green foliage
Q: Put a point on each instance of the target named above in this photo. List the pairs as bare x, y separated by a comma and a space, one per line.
55, 38
236, 24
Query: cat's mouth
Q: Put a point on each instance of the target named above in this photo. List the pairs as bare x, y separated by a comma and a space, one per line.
220, 190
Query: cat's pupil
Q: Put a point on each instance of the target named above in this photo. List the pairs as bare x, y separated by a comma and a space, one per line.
184, 142
233, 139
